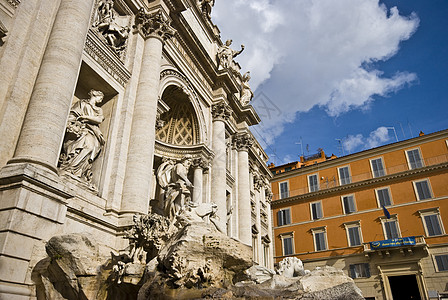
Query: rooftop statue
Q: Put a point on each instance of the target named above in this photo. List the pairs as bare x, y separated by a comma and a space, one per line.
206, 7
226, 56
83, 138
246, 92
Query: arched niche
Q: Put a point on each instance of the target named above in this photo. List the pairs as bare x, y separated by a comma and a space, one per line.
180, 123
176, 91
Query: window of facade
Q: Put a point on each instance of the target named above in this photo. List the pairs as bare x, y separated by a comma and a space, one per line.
287, 243
432, 221
414, 159
348, 202
288, 169
284, 216
422, 189
320, 238
284, 189
383, 197
441, 262
313, 183
391, 228
377, 166
316, 210
353, 230
360, 271
344, 175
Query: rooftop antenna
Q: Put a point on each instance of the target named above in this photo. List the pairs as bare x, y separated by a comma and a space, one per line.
402, 130
301, 146
341, 146
393, 128
410, 130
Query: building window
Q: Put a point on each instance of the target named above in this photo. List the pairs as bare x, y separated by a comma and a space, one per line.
316, 210
383, 197
414, 159
422, 189
390, 228
360, 271
284, 189
288, 169
313, 183
284, 216
353, 230
348, 203
432, 221
377, 167
287, 244
441, 262
320, 238
344, 175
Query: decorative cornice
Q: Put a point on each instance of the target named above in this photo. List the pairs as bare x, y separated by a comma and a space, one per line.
243, 141
177, 152
221, 111
364, 183
14, 3
110, 63
153, 25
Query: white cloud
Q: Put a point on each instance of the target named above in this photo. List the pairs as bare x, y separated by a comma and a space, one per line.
376, 138
303, 53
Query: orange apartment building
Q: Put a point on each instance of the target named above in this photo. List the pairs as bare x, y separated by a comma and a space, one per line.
378, 214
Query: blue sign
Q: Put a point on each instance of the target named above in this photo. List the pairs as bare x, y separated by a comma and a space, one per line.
407, 241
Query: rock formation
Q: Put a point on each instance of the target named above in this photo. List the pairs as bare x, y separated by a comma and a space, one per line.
188, 258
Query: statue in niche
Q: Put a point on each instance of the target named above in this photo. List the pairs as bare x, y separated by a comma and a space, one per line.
114, 34
206, 7
226, 56
172, 177
83, 138
246, 92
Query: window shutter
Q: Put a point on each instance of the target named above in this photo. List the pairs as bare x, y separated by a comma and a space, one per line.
317, 210
433, 225
442, 262
352, 271
367, 269
280, 218
287, 219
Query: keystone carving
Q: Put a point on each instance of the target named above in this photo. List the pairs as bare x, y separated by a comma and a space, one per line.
243, 142
221, 111
153, 25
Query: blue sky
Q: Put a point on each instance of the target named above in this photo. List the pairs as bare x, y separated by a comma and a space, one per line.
331, 73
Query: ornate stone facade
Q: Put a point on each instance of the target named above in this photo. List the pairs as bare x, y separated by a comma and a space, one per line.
111, 109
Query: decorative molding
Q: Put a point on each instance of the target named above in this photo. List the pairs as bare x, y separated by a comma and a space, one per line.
243, 141
221, 111
104, 57
153, 25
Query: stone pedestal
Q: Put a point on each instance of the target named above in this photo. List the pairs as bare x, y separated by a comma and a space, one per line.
220, 113
137, 183
243, 142
32, 208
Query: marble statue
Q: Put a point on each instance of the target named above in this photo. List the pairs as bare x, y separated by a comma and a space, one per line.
246, 92
227, 54
206, 7
173, 179
83, 138
114, 34
291, 267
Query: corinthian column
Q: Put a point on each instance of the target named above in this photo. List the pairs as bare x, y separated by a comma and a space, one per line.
220, 113
155, 29
243, 142
44, 124
199, 165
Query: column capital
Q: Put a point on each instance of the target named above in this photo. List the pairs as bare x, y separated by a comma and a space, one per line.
243, 141
221, 111
200, 162
153, 25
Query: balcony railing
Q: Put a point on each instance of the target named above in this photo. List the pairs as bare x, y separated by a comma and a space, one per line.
331, 182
